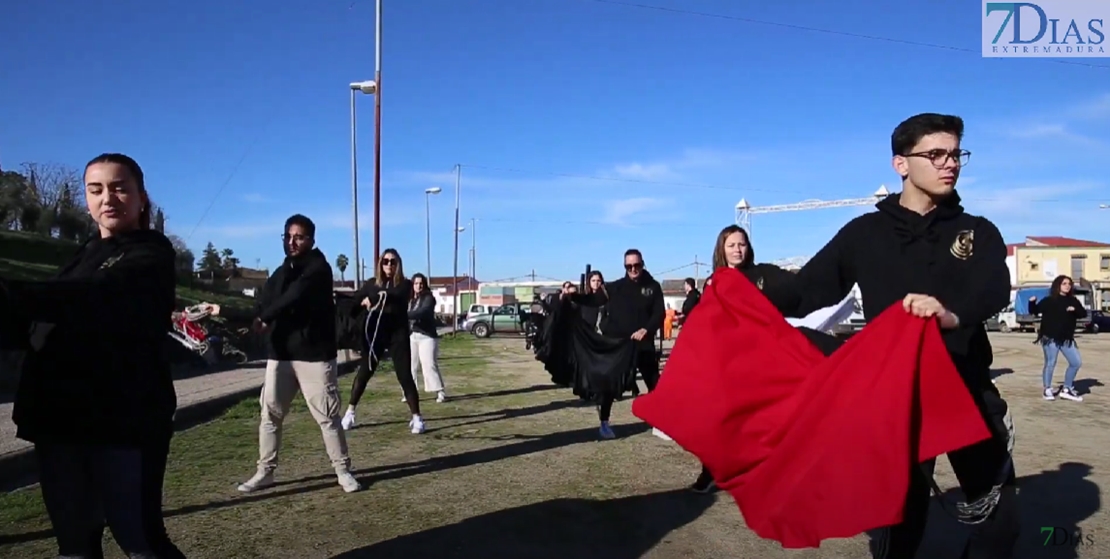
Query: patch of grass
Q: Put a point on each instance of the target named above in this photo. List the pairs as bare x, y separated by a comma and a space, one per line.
510, 467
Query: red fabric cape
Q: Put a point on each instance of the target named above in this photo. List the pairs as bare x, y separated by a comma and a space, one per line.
810, 447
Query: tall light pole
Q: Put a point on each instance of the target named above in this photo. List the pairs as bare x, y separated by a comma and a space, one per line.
455, 273
378, 133
369, 88
428, 223
473, 252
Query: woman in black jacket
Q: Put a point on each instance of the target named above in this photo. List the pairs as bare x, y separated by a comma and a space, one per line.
734, 250
424, 339
1059, 313
95, 353
387, 331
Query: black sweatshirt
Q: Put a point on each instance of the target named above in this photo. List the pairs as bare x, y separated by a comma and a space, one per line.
298, 304
1057, 322
956, 257
395, 312
690, 302
634, 305
99, 374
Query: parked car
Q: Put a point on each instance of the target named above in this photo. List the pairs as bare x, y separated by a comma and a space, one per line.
1100, 322
506, 319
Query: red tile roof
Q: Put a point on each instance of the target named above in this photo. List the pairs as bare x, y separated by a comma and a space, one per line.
1010, 248
1066, 242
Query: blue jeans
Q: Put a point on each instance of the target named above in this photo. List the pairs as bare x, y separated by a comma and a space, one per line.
1052, 350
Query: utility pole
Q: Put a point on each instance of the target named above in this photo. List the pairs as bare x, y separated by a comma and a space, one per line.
697, 275
533, 274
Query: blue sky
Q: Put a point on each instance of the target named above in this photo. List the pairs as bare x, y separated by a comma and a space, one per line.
533, 97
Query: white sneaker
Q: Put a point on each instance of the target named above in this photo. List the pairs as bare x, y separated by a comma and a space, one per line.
1070, 394
1048, 394
348, 482
261, 480
348, 422
441, 397
417, 424
605, 431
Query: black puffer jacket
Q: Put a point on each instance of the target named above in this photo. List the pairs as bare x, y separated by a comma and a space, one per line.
96, 370
422, 314
299, 305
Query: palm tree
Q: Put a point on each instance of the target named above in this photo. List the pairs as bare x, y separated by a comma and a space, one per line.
341, 263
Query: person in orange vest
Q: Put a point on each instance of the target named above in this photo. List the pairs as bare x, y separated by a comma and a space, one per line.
668, 322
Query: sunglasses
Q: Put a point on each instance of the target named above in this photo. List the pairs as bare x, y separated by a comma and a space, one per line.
636, 266
388, 261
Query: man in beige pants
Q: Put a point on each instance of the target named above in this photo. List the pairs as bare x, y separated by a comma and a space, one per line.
297, 309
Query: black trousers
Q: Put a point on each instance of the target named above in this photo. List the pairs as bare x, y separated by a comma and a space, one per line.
154, 460
978, 468
647, 363
397, 344
85, 485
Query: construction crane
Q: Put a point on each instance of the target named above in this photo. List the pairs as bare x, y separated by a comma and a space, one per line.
744, 210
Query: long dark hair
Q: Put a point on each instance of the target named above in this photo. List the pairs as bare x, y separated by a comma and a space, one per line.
427, 291
1056, 283
599, 276
136, 173
719, 260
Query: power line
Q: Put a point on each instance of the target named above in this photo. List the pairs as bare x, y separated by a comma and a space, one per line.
826, 31
721, 187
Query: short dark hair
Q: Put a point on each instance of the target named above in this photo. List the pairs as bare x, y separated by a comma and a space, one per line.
633, 252
690, 281
910, 131
136, 173
303, 222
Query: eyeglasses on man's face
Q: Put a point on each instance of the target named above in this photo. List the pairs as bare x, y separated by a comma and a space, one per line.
940, 157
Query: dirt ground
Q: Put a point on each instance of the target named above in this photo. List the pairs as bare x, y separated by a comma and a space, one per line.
512, 468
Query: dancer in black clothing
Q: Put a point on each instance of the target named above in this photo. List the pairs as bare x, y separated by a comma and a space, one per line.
1056, 335
95, 350
692, 297
636, 310
602, 385
387, 331
734, 250
921, 250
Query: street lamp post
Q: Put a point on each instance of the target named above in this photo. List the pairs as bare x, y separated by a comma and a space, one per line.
428, 193
473, 252
377, 132
369, 88
455, 273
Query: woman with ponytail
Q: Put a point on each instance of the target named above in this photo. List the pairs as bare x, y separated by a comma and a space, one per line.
96, 396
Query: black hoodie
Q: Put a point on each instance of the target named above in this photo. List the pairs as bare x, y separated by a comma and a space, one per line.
956, 257
95, 371
298, 304
634, 305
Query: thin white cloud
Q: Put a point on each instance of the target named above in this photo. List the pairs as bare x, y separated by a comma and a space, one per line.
619, 212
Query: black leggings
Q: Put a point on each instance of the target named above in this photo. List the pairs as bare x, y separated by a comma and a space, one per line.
401, 355
605, 407
84, 485
154, 458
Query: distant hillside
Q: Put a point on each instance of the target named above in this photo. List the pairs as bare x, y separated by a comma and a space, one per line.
27, 256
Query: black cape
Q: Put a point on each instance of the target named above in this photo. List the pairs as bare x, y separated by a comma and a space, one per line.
592, 365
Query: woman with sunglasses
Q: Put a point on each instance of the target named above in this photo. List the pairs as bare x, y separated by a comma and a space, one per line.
387, 330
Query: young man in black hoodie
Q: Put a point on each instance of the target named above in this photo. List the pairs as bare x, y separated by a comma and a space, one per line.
921, 250
636, 311
297, 308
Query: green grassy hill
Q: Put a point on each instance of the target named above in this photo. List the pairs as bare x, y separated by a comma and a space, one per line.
25, 256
